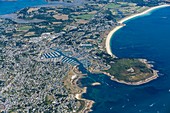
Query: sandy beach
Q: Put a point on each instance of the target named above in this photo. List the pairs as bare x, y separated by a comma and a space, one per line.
108, 39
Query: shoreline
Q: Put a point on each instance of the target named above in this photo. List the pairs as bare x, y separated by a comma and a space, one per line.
70, 82
88, 103
121, 22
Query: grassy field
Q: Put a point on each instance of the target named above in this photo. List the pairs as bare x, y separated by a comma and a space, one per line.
112, 5
83, 16
130, 70
24, 28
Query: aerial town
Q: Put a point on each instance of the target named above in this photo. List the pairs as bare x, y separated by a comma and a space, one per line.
42, 49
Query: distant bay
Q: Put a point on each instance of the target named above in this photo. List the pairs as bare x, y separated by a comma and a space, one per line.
7, 7
11, 6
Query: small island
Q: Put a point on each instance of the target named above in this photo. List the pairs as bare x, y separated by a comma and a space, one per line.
131, 71
96, 84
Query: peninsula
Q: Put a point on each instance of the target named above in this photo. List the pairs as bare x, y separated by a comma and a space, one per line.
131, 71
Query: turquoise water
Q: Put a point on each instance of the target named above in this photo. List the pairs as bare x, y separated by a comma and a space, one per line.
7, 7
145, 37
